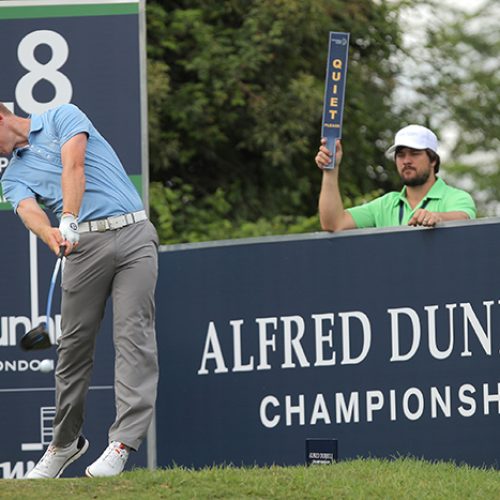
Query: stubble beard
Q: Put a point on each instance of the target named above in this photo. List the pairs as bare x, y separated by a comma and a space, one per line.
418, 180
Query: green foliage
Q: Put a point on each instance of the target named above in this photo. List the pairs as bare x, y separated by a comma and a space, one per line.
180, 218
235, 94
236, 90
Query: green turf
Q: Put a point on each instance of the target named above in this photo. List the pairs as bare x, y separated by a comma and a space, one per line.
359, 479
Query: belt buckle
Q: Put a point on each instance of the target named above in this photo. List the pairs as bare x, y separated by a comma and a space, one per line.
101, 225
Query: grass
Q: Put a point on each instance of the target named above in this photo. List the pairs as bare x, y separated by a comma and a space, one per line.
359, 479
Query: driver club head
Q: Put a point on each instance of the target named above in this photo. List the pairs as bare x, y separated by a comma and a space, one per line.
37, 338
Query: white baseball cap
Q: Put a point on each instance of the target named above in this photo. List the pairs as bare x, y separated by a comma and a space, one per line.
415, 137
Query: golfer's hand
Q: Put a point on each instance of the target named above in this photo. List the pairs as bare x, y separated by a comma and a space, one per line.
51, 236
324, 156
69, 229
425, 218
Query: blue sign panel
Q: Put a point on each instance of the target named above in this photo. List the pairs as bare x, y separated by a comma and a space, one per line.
336, 75
372, 339
55, 52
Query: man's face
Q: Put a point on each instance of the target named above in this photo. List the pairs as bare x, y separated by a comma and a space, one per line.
414, 166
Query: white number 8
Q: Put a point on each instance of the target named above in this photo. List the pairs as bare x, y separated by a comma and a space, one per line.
38, 71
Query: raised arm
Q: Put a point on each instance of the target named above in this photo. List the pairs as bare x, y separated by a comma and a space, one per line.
332, 215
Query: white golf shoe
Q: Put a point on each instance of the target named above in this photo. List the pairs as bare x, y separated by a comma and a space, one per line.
57, 458
111, 462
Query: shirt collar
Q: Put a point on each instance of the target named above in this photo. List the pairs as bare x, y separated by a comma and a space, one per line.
435, 192
36, 124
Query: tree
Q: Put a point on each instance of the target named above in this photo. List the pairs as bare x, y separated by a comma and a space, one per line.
455, 85
235, 92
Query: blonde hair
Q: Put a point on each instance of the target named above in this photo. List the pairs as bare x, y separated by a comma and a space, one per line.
4, 110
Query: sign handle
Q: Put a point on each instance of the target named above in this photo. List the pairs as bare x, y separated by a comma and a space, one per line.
331, 142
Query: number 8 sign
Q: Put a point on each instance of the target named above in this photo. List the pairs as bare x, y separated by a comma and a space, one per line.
87, 52
38, 71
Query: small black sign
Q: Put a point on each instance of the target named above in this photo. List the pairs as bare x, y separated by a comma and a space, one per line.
321, 451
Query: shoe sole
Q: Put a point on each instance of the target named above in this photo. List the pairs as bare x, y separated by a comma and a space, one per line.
76, 456
88, 474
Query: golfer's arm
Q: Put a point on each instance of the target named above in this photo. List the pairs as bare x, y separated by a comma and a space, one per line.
332, 215
34, 218
73, 174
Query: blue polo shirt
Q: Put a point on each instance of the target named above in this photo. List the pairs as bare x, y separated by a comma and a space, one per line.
35, 170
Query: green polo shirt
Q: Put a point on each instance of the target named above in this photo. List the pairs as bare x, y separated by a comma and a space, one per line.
385, 211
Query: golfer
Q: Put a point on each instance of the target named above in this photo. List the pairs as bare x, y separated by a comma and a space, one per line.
425, 200
61, 160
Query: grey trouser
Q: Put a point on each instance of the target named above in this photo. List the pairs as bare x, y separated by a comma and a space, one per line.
122, 263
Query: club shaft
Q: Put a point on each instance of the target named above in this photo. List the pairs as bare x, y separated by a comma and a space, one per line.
52, 286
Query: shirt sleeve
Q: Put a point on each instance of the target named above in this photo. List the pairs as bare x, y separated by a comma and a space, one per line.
460, 201
69, 121
15, 192
364, 215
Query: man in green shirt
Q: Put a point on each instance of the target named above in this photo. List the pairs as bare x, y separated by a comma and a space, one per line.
425, 199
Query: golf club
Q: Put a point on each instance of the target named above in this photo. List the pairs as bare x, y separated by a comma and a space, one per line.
39, 338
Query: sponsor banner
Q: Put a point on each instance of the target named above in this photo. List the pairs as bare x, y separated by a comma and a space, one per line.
336, 76
385, 341
53, 51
